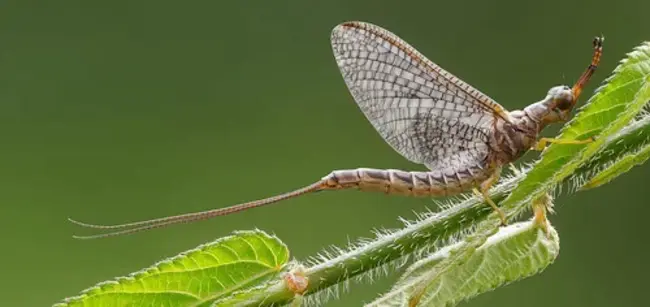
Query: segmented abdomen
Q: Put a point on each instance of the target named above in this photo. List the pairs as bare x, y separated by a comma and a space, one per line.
434, 183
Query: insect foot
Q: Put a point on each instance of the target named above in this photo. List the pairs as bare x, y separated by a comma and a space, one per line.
540, 206
296, 281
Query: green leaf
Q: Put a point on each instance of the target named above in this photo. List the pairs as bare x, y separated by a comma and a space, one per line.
514, 252
634, 144
630, 140
196, 277
618, 168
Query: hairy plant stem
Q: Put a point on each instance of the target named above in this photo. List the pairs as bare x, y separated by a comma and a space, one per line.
420, 236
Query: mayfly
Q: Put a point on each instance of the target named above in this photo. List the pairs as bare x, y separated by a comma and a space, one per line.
426, 114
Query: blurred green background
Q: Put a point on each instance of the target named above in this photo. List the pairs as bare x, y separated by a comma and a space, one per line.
127, 110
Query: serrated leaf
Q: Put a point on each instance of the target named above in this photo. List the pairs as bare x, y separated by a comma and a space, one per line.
514, 252
629, 141
618, 168
612, 107
196, 277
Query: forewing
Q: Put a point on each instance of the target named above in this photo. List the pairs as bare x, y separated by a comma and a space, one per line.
421, 110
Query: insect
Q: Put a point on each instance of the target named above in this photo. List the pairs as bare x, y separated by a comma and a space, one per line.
427, 115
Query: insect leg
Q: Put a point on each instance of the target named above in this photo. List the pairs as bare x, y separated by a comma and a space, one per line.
541, 144
484, 188
540, 207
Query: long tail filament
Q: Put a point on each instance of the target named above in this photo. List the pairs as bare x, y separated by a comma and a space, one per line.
129, 228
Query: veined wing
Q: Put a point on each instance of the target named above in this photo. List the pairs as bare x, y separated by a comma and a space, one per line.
424, 112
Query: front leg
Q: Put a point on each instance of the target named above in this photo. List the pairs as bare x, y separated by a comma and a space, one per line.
541, 144
484, 189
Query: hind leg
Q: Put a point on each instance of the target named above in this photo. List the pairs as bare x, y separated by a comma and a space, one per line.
540, 206
483, 192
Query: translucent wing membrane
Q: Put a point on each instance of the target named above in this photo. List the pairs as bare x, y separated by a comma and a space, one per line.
422, 111
425, 113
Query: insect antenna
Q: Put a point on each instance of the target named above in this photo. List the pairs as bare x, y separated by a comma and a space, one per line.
595, 60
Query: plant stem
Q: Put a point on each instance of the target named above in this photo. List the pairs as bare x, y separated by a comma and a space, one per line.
421, 235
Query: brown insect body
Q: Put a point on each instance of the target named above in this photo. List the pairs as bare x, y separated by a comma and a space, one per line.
510, 140
426, 114
514, 138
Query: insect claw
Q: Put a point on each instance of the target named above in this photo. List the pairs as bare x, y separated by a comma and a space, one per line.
503, 221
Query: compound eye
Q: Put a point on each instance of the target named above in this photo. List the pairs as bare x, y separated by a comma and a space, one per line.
564, 104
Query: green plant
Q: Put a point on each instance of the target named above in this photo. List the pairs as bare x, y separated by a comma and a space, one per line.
253, 268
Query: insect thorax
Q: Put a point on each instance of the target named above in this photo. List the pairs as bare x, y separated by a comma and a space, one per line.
513, 139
